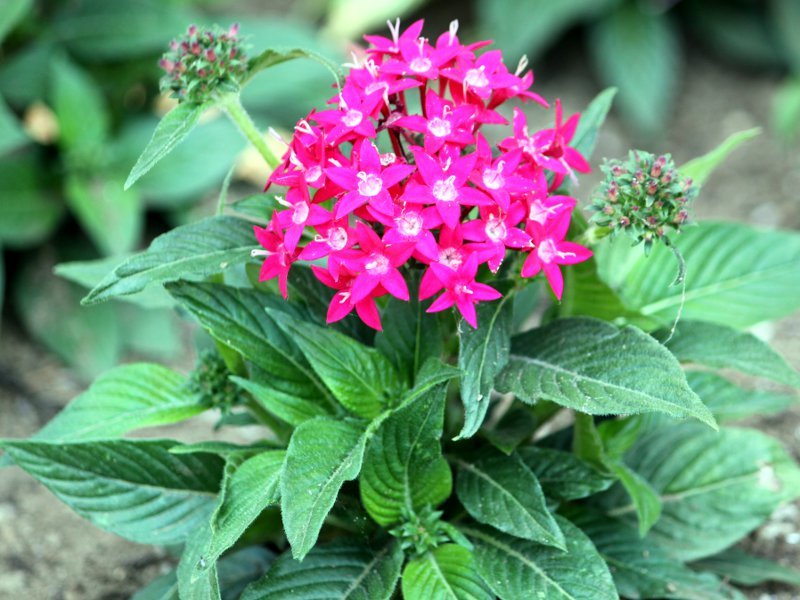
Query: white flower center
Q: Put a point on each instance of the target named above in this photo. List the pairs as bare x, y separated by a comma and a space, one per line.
375, 86
476, 78
451, 257
462, 289
300, 213
337, 238
445, 189
369, 184
313, 174
493, 178
420, 64
378, 264
547, 250
439, 127
352, 118
409, 224
539, 212
496, 229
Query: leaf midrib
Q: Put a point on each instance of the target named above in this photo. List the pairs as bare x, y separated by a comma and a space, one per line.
366, 571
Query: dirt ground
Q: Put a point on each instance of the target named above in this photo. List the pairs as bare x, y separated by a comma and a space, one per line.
48, 553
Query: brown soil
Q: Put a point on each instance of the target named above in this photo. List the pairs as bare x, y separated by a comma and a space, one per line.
48, 553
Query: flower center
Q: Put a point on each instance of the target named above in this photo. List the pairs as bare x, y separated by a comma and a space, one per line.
496, 229
445, 189
539, 212
352, 118
420, 64
337, 238
476, 78
439, 127
378, 264
547, 250
313, 174
451, 257
369, 184
409, 224
300, 213
462, 289
493, 178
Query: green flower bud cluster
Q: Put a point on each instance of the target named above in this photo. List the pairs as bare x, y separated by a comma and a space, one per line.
210, 382
424, 531
203, 62
645, 197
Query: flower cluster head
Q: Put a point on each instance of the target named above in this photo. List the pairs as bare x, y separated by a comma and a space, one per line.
203, 62
398, 173
644, 197
210, 382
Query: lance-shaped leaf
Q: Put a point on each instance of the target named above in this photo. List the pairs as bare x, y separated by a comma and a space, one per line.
503, 492
134, 488
275, 56
361, 378
740, 567
518, 569
482, 354
447, 572
592, 119
323, 453
700, 168
720, 346
344, 570
597, 368
729, 402
562, 475
171, 131
403, 466
292, 409
125, 398
196, 250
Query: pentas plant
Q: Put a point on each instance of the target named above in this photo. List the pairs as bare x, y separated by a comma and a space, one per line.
441, 197
565, 436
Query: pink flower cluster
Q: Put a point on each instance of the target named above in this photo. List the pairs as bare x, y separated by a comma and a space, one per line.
442, 196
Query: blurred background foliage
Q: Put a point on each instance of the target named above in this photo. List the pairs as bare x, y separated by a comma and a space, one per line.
79, 100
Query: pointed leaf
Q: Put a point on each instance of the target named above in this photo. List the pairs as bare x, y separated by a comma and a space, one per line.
341, 570
646, 501
729, 402
134, 488
596, 368
12, 136
503, 492
10, 14
592, 119
562, 475
700, 168
444, 573
292, 409
80, 109
275, 56
734, 564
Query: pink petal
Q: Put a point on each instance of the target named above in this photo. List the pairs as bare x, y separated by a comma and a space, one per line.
443, 302
554, 278
481, 291
348, 203
532, 265
363, 286
339, 308
450, 212
368, 158
394, 283
368, 311
429, 285
580, 253
467, 310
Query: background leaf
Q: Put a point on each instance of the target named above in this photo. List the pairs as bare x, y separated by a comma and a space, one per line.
729, 402
562, 475
12, 135
446, 572
83, 121
11, 12
700, 168
736, 565
294, 410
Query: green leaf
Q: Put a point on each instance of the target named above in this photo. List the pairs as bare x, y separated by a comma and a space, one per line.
514, 428
292, 409
171, 131
596, 368
12, 135
444, 573
323, 453
83, 121
637, 50
482, 354
734, 564
152, 333
735, 275
236, 317
111, 217
729, 402
344, 570
136, 489
719, 346
562, 475
518, 569
592, 119
348, 19
786, 110
199, 249
714, 487
404, 469
361, 378
700, 168
786, 20
125, 398
275, 56
641, 569
503, 492
256, 206
645, 500
11, 12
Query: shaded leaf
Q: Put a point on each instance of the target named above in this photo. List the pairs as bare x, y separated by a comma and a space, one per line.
447, 572
83, 121
592, 119
562, 475
275, 56
734, 564
292, 409
700, 168
12, 135
729, 402
11, 12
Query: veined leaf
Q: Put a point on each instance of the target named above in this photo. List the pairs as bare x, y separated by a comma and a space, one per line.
196, 250
518, 569
445, 573
432, 373
514, 428
482, 354
503, 492
134, 488
562, 475
596, 368
729, 402
734, 564
345, 570
646, 501
323, 453
403, 466
715, 345
700, 168
292, 409
275, 56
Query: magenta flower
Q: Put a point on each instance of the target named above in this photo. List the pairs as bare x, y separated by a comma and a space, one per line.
342, 303
352, 117
462, 290
378, 265
496, 231
278, 259
498, 177
441, 124
413, 224
301, 213
451, 253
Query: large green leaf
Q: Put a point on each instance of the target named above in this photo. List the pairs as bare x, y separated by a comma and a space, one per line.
596, 368
482, 354
786, 110
404, 469
196, 250
11, 12
323, 453
786, 19
637, 50
292, 409
126, 398
348, 19
714, 487
341, 570
729, 402
236, 317
83, 121
642, 569
518, 569
592, 119
134, 488
740, 567
12, 135
700, 168
715, 345
503, 492
444, 573
562, 475
735, 275
361, 378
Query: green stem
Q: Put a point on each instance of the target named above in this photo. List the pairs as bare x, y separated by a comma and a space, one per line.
239, 116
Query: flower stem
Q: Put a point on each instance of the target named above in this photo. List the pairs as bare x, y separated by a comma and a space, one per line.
233, 106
